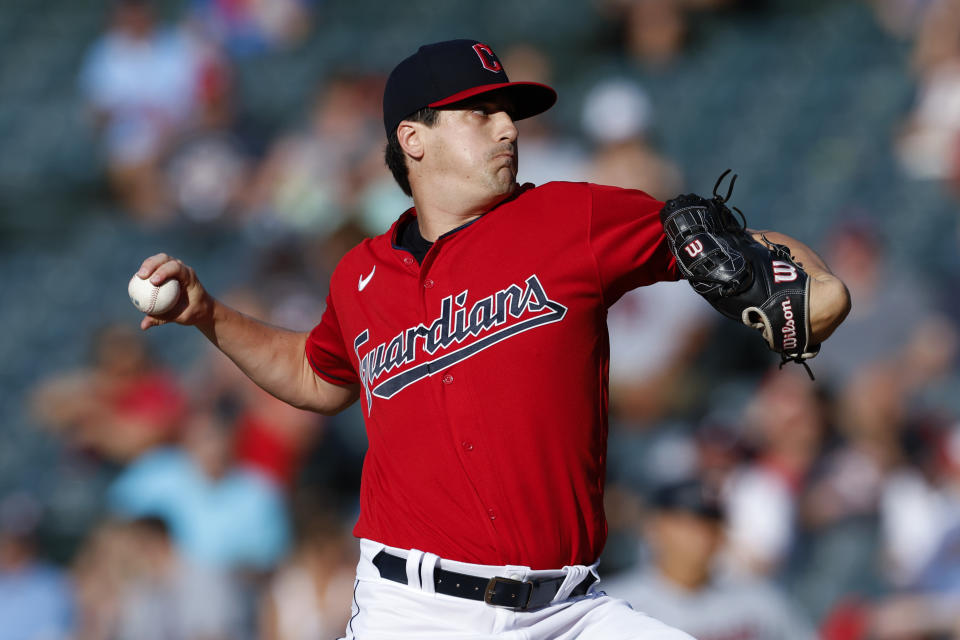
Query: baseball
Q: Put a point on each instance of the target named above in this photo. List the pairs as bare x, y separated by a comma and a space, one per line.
152, 299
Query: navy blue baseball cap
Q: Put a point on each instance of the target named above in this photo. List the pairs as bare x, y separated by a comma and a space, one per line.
445, 73
688, 496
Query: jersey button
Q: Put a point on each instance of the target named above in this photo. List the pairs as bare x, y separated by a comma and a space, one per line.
428, 283
408, 261
447, 379
467, 445
492, 514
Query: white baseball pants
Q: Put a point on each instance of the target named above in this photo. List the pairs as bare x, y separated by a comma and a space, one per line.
388, 610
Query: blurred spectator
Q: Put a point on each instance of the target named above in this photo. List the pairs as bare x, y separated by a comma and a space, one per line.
322, 254
901, 18
207, 166
546, 153
872, 414
310, 595
644, 369
683, 587
123, 404
891, 307
655, 334
840, 510
294, 448
640, 460
205, 174
221, 515
927, 362
651, 32
719, 451
786, 423
616, 118
173, 599
270, 435
936, 42
920, 504
910, 617
36, 599
248, 27
311, 179
942, 570
656, 30
101, 570
929, 144
928, 605
143, 83
134, 585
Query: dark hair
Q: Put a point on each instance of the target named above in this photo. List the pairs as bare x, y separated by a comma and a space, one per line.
394, 156
152, 524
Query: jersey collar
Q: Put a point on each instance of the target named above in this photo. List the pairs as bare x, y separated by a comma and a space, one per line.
396, 240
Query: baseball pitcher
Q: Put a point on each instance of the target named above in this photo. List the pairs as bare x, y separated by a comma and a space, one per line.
473, 334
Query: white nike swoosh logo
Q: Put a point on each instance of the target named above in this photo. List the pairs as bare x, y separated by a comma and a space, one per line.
365, 281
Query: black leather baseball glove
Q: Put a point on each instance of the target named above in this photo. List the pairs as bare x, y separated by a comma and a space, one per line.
760, 285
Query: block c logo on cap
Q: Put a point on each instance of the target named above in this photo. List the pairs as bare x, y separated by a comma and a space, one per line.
487, 58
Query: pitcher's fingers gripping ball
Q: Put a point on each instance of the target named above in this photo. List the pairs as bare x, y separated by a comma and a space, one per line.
180, 297
152, 299
760, 285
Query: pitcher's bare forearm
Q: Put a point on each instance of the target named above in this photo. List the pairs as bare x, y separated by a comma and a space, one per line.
274, 358
829, 298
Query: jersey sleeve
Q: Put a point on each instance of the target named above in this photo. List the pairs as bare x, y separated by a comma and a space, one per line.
326, 351
627, 241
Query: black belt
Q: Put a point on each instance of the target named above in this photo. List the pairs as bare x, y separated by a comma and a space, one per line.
498, 592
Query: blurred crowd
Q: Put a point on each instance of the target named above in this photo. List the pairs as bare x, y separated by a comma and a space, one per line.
928, 144
745, 501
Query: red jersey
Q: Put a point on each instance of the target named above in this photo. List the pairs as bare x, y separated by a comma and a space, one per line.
484, 372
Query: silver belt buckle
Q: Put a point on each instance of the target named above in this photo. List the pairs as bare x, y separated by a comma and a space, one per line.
491, 585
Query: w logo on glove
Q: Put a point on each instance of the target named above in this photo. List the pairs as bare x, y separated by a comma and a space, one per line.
783, 271
694, 248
